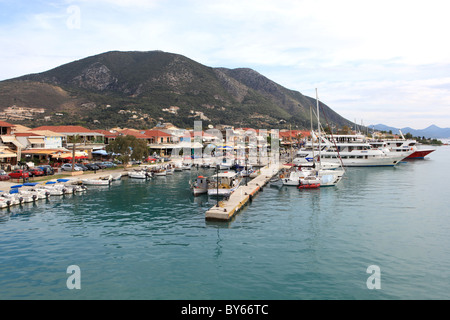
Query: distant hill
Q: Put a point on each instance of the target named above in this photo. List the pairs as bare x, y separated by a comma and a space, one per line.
140, 89
432, 131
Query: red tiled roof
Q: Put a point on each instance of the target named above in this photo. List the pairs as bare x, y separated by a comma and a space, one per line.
131, 132
5, 124
294, 133
65, 129
107, 133
26, 134
157, 133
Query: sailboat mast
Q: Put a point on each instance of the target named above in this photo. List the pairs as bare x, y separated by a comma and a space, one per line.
312, 134
318, 125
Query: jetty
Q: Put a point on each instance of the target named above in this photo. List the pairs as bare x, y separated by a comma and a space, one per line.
226, 209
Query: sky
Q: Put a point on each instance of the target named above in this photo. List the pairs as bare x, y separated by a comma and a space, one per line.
384, 61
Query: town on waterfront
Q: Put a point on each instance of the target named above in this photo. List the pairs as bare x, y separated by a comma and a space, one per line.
66, 155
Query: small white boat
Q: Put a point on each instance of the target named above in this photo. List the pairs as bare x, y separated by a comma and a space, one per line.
138, 175
186, 166
4, 203
199, 185
116, 176
52, 191
161, 172
292, 178
12, 199
102, 181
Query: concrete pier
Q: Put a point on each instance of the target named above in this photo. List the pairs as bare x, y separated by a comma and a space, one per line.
245, 193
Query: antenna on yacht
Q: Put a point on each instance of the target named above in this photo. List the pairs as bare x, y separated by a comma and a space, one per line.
401, 133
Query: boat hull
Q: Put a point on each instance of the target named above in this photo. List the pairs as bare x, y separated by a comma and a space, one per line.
420, 154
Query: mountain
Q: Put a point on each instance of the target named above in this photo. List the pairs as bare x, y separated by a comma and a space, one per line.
139, 89
432, 131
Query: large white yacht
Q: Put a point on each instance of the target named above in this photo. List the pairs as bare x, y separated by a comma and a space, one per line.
353, 151
407, 147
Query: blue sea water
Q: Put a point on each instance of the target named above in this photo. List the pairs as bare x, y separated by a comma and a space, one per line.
149, 240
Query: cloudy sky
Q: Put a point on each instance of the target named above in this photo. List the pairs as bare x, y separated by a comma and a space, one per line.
385, 61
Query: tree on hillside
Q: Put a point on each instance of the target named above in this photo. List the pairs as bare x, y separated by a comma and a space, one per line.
128, 148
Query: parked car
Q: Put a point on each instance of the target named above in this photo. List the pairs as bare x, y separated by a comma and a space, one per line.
48, 170
109, 164
4, 176
19, 174
68, 167
82, 166
92, 166
36, 172
100, 165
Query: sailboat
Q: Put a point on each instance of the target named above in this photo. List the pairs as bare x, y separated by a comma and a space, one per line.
317, 175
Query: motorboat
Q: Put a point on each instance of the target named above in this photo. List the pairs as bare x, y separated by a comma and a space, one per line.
199, 185
116, 176
139, 174
160, 172
4, 203
186, 166
11, 198
101, 181
224, 183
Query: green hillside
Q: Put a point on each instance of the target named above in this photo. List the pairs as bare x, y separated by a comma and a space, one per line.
136, 89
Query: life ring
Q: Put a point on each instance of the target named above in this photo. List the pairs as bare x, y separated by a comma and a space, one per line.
282, 176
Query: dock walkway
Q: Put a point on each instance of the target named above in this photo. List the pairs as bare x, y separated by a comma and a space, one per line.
245, 193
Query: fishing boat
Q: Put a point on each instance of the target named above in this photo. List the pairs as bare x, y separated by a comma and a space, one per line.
224, 183
199, 185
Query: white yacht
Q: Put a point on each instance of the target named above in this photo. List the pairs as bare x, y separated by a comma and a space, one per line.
354, 151
406, 147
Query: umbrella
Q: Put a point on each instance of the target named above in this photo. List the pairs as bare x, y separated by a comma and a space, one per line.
100, 152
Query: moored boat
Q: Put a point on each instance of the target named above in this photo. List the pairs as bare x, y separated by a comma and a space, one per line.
102, 181
224, 183
139, 174
199, 185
